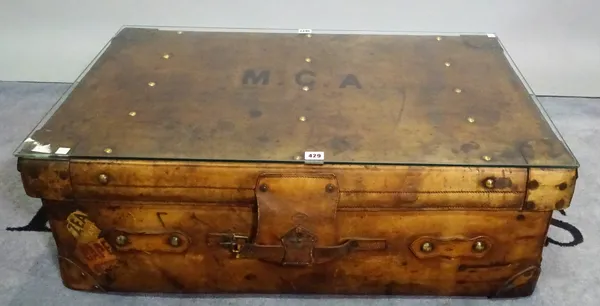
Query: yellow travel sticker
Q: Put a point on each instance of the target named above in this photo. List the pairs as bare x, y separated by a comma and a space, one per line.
98, 255
80, 226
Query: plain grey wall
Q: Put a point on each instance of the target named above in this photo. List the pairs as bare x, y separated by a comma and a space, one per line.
556, 44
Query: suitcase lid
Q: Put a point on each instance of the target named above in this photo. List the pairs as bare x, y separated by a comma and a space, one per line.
285, 96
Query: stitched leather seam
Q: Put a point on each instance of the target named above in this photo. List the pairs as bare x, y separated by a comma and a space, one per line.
432, 191
417, 208
317, 177
166, 187
252, 188
274, 167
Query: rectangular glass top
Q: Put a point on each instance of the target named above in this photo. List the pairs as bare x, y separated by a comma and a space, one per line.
277, 95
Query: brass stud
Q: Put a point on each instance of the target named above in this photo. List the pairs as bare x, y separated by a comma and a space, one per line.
308, 60
297, 157
457, 90
103, 179
471, 119
489, 183
96, 287
302, 118
447, 64
479, 246
486, 158
107, 150
151, 84
132, 114
305, 88
174, 241
263, 187
121, 240
427, 247
83, 274
439, 38
329, 188
166, 56
179, 32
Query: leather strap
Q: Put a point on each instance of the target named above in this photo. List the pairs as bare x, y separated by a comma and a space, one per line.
296, 222
277, 253
287, 201
280, 254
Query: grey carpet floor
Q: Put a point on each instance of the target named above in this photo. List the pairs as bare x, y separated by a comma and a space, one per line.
28, 265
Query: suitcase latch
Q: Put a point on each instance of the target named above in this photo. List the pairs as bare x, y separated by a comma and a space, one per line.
295, 223
298, 245
234, 243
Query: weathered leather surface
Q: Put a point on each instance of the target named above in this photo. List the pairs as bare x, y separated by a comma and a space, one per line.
516, 240
550, 188
381, 187
388, 211
403, 201
371, 99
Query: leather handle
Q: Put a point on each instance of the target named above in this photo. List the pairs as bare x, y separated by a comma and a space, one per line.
287, 256
298, 253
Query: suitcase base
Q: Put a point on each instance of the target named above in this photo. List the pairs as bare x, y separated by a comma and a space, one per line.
149, 261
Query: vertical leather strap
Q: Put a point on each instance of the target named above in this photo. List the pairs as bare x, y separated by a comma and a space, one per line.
305, 203
296, 223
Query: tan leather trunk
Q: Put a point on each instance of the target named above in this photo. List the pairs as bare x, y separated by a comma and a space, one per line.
253, 162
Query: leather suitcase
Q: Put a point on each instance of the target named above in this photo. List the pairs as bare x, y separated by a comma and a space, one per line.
254, 162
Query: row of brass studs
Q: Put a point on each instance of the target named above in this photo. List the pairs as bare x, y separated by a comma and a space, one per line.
478, 247
304, 88
166, 56
122, 240
486, 158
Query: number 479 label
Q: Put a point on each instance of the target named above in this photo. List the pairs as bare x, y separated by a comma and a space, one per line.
314, 156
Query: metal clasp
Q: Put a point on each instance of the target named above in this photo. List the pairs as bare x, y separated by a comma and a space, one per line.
298, 245
234, 243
